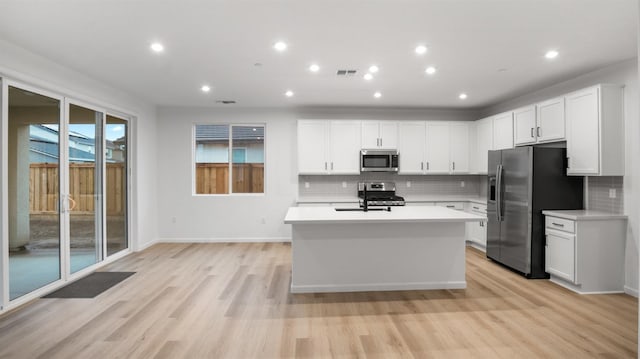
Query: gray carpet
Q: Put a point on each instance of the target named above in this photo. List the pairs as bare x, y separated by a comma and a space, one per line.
91, 285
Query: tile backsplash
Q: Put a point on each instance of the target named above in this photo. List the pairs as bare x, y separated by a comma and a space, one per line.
345, 186
598, 194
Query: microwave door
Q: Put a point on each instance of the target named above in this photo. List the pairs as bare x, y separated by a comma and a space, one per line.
375, 162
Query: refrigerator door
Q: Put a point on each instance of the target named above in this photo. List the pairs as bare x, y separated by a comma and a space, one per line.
493, 224
515, 227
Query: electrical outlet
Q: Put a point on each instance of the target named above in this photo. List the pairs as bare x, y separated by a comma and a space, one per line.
408, 184
306, 185
344, 184
461, 183
612, 193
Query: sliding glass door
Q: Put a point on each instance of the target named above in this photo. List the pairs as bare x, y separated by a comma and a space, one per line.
64, 190
33, 151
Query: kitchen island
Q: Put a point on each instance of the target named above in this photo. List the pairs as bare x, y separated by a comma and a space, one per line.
409, 248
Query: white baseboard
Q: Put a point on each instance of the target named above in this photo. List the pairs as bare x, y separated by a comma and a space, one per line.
631, 291
225, 240
327, 288
141, 247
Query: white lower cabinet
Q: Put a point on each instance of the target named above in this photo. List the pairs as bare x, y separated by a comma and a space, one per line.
477, 231
585, 251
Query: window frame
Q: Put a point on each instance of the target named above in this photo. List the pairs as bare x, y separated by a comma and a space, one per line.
230, 156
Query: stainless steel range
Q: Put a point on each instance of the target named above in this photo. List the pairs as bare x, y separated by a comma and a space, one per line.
379, 194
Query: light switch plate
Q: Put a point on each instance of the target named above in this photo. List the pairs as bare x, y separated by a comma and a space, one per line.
306, 185
612, 193
461, 183
344, 184
408, 184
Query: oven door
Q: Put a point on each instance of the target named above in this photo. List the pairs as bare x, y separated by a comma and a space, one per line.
375, 162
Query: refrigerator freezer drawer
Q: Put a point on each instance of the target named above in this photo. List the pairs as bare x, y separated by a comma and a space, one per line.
560, 224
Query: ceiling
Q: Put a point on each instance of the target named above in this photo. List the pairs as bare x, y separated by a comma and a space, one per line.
492, 50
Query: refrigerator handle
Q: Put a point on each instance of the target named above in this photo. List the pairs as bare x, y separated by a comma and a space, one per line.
499, 192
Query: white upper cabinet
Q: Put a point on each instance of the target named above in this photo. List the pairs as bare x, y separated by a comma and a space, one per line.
503, 131
329, 147
437, 159
313, 140
379, 134
459, 147
524, 125
595, 131
344, 147
484, 144
550, 120
411, 147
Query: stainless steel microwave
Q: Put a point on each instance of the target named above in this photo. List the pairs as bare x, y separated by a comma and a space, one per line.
379, 161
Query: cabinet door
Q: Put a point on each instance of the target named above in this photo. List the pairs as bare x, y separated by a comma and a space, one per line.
484, 143
370, 134
344, 147
437, 154
388, 134
459, 147
482, 233
503, 131
312, 145
524, 124
411, 147
560, 255
583, 145
550, 120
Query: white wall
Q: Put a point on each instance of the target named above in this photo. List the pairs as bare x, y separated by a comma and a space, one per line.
184, 217
26, 67
624, 73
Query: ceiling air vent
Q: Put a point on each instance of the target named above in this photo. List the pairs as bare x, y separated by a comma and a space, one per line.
346, 73
226, 102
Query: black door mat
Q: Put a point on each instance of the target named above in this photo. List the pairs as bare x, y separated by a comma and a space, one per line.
91, 285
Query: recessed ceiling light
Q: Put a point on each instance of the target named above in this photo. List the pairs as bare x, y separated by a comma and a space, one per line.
205, 88
430, 70
314, 68
280, 46
373, 69
289, 93
157, 47
368, 76
462, 96
551, 54
421, 50
377, 95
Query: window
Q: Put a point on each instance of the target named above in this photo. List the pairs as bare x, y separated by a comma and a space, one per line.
229, 159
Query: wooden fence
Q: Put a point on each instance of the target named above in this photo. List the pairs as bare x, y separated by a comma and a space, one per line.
44, 184
213, 178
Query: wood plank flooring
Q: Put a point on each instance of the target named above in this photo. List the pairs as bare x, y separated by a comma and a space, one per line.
233, 301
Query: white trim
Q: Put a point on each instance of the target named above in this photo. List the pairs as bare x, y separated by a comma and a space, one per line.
631, 291
224, 240
377, 287
145, 245
576, 289
4, 191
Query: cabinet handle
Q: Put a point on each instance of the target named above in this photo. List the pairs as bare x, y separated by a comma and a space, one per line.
538, 131
325, 166
557, 224
451, 206
332, 166
568, 162
421, 165
474, 207
454, 166
532, 133
380, 142
427, 166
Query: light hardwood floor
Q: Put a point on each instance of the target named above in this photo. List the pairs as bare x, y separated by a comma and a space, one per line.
232, 301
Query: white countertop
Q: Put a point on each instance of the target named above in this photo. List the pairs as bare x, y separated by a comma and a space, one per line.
301, 215
408, 199
583, 215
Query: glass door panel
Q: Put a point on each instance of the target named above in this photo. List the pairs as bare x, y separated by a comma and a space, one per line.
116, 133
85, 186
34, 190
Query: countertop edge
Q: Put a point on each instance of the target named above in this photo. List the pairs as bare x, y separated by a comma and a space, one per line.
578, 215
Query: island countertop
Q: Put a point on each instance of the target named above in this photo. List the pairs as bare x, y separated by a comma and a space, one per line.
398, 214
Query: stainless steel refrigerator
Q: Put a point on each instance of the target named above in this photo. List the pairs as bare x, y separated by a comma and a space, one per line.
521, 183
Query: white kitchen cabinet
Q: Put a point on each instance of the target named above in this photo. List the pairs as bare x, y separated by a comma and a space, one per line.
477, 231
379, 134
458, 206
411, 147
503, 131
484, 143
437, 159
329, 147
550, 120
585, 250
524, 126
459, 147
595, 131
